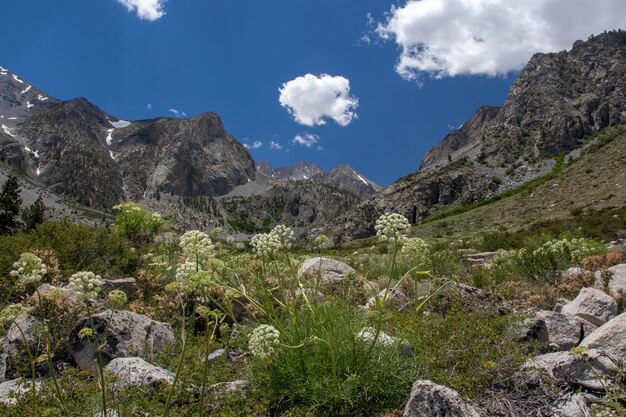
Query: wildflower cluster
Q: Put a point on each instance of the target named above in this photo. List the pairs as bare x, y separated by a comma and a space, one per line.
85, 284
416, 251
320, 240
392, 228
264, 340
185, 271
136, 223
117, 300
574, 250
197, 246
29, 269
268, 244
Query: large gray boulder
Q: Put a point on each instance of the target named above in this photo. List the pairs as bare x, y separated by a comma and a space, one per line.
327, 270
617, 281
592, 305
127, 285
125, 333
431, 400
14, 343
17, 387
136, 371
609, 338
590, 368
563, 331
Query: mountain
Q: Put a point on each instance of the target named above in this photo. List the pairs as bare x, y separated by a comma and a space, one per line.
558, 99
343, 177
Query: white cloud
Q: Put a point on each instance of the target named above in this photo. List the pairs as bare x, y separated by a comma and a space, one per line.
149, 106
178, 113
275, 145
490, 37
146, 9
311, 99
257, 144
306, 139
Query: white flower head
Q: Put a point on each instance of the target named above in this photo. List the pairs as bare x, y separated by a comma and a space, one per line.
197, 246
29, 269
264, 341
265, 244
85, 284
393, 228
284, 235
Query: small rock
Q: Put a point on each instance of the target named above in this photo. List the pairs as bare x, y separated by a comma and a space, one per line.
127, 285
384, 340
17, 386
591, 367
571, 405
311, 294
126, 334
592, 305
328, 270
431, 400
574, 272
609, 338
395, 299
219, 354
239, 386
136, 371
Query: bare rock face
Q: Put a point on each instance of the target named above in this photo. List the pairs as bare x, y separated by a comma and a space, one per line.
126, 334
431, 400
592, 305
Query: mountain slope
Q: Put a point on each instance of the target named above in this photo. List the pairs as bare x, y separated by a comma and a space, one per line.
19, 99
557, 99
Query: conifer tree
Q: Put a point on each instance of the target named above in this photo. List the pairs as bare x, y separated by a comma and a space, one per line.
35, 214
10, 203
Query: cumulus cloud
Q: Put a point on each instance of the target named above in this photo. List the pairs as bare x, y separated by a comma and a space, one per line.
275, 145
177, 113
311, 99
149, 106
257, 144
446, 38
146, 9
306, 139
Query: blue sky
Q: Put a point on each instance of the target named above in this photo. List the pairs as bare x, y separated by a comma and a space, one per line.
400, 74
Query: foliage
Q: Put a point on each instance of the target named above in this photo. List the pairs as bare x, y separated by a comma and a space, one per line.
34, 215
10, 203
136, 223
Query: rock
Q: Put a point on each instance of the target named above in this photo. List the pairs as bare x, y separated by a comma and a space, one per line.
573, 272
609, 338
384, 340
3, 365
126, 334
571, 405
328, 270
564, 331
590, 368
592, 305
457, 294
395, 299
44, 289
13, 342
16, 386
136, 371
560, 302
534, 328
481, 258
431, 400
310, 293
617, 282
239, 386
219, 354
127, 285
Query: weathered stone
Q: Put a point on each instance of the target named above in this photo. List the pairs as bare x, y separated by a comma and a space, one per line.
14, 343
127, 285
563, 331
17, 386
571, 405
431, 400
462, 295
126, 334
216, 355
617, 281
239, 386
136, 371
310, 294
3, 366
591, 367
574, 272
368, 335
592, 305
534, 329
327, 270
395, 299
609, 338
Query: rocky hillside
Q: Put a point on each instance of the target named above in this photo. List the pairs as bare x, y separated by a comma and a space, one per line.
343, 177
19, 99
558, 99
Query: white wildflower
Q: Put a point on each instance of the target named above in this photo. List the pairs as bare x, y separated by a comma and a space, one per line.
264, 341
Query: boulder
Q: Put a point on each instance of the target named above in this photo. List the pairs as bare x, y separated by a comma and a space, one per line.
571, 405
457, 294
431, 400
563, 331
14, 344
617, 281
327, 270
127, 285
534, 329
609, 338
574, 272
125, 333
17, 387
590, 368
384, 340
395, 299
136, 371
592, 305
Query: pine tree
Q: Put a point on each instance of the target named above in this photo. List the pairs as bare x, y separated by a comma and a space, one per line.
10, 203
35, 214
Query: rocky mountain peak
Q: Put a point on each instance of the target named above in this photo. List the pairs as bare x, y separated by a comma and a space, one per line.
19, 99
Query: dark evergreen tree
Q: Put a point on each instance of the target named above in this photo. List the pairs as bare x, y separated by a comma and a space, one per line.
35, 214
10, 203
